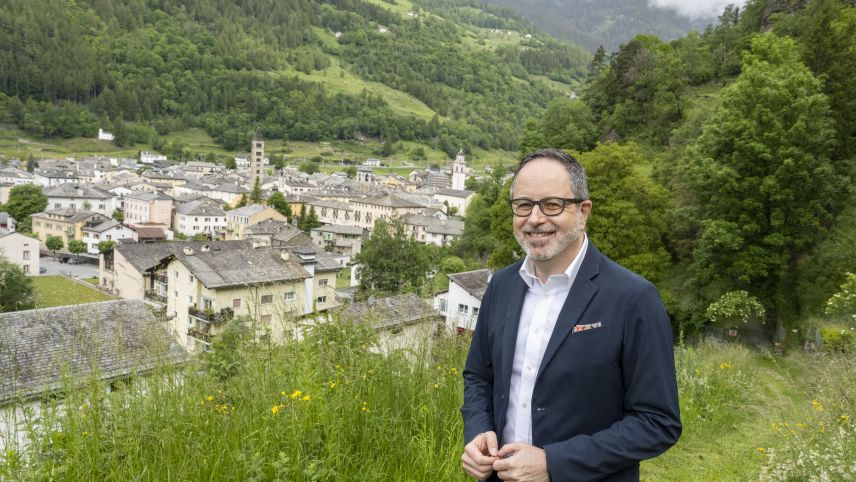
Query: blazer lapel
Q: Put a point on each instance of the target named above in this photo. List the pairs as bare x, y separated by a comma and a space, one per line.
516, 293
581, 293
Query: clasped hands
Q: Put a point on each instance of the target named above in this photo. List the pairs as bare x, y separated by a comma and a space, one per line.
514, 462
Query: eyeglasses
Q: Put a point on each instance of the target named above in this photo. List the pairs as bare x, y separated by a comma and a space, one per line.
550, 206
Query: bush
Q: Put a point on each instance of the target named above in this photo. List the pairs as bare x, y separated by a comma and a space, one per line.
838, 338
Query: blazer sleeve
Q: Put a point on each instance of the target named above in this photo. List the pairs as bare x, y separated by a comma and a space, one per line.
651, 422
477, 410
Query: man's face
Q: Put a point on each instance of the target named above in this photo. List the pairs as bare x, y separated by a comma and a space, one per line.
546, 237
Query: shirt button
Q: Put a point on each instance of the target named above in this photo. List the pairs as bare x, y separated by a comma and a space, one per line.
525, 404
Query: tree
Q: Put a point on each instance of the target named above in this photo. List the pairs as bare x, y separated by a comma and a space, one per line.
843, 303
735, 308
351, 171
76, 246
391, 262
310, 167
477, 241
230, 163
106, 245
24, 200
54, 243
119, 214
278, 202
242, 202
566, 124
308, 220
256, 194
761, 176
16, 288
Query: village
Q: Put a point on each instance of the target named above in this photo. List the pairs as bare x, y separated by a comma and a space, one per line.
183, 259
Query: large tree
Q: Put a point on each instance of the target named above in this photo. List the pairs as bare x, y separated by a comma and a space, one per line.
391, 262
761, 176
76, 246
24, 200
54, 243
16, 288
278, 202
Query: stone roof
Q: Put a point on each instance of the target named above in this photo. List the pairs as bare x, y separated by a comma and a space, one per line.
329, 203
461, 193
148, 196
117, 338
71, 215
248, 211
434, 225
231, 188
389, 200
340, 229
100, 228
201, 208
241, 267
143, 256
77, 191
473, 282
388, 312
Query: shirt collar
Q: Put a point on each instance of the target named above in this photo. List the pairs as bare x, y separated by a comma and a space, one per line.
565, 279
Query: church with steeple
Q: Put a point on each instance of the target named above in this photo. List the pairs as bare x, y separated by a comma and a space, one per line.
459, 171
257, 158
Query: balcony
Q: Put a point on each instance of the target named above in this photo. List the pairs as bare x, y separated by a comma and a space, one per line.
155, 296
210, 316
200, 336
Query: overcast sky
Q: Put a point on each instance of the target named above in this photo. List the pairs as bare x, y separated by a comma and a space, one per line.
697, 8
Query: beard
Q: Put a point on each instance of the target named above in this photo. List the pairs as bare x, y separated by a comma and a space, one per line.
543, 250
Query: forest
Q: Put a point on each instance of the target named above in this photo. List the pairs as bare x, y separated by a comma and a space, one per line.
144, 68
720, 165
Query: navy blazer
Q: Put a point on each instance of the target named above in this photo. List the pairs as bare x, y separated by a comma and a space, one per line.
604, 398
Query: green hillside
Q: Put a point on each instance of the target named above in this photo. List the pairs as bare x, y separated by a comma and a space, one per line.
301, 70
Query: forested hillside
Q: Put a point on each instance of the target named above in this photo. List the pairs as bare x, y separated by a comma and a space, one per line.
721, 167
147, 67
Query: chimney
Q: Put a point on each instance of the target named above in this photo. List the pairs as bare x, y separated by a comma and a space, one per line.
205, 248
284, 255
188, 251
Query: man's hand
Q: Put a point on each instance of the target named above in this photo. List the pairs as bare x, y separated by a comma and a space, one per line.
480, 454
520, 462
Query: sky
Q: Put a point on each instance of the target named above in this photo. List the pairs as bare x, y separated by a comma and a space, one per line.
697, 8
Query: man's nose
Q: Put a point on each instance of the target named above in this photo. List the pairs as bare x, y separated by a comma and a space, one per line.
537, 216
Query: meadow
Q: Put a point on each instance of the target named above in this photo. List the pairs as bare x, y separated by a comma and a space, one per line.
54, 290
329, 408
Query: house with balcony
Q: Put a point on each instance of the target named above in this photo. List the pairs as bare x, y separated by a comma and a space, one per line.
67, 223
438, 230
205, 289
109, 230
382, 206
340, 239
202, 216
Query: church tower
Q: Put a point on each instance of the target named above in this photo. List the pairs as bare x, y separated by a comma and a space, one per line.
257, 159
459, 171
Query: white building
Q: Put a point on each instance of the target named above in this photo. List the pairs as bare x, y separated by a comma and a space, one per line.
20, 250
110, 230
454, 198
104, 135
147, 157
81, 197
200, 216
464, 298
459, 172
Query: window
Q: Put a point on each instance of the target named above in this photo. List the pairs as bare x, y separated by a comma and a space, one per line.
175, 294
267, 299
322, 282
236, 303
26, 255
475, 311
190, 278
175, 274
322, 299
463, 309
189, 299
443, 306
57, 205
288, 296
26, 269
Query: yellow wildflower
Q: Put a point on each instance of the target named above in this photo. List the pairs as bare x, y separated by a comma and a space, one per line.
282, 393
761, 449
332, 385
306, 398
725, 366
296, 394
210, 398
274, 409
817, 405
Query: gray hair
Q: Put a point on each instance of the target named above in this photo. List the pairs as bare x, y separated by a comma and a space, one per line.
576, 173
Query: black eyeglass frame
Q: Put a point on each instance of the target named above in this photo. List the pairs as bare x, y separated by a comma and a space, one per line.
565, 201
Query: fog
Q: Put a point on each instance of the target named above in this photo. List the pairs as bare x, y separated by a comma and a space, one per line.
697, 8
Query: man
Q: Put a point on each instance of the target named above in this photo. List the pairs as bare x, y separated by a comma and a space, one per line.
570, 375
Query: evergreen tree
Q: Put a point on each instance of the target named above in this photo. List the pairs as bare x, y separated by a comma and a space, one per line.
256, 194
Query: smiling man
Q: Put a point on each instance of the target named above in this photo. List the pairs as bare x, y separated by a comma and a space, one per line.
570, 375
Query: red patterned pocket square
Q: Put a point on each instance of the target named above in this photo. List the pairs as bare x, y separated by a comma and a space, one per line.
586, 327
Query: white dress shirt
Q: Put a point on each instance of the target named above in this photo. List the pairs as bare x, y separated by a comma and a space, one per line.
541, 306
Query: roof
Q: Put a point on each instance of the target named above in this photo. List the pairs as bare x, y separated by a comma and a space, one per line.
147, 196
383, 313
117, 338
248, 211
461, 193
143, 256
100, 228
340, 229
148, 232
201, 208
77, 191
232, 188
72, 215
241, 267
257, 136
473, 282
390, 200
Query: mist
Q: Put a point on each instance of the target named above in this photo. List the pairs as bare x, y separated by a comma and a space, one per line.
696, 9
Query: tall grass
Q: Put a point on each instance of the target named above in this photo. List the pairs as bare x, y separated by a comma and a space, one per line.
328, 407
